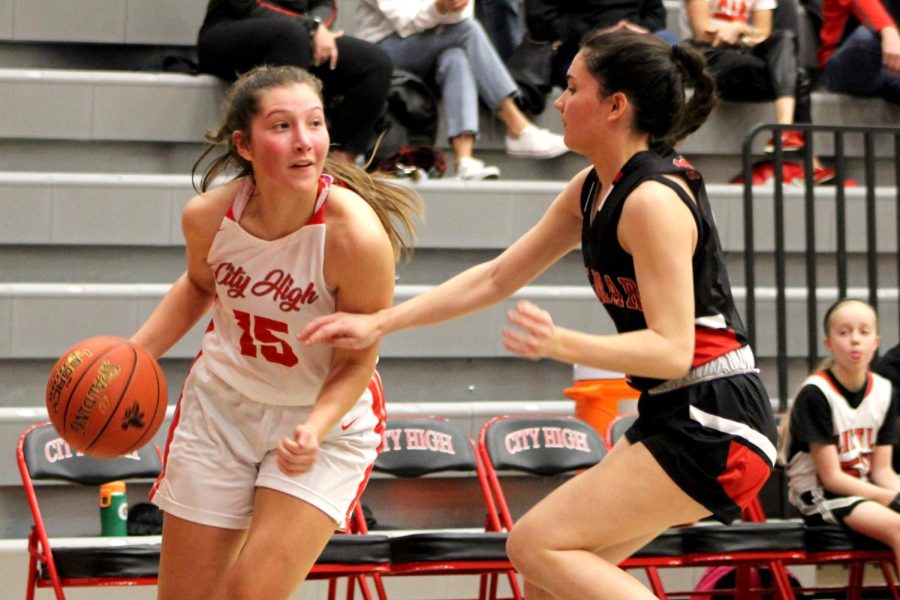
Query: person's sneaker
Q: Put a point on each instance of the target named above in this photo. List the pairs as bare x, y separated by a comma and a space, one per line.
534, 142
762, 172
791, 141
472, 169
828, 176
823, 175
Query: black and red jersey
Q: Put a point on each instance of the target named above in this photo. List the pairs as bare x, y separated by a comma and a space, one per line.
610, 268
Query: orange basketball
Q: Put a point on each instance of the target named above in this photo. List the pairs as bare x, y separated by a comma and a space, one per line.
106, 397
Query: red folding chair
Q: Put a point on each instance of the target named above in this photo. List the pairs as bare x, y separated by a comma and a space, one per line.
554, 448
617, 428
43, 456
418, 449
94, 562
356, 556
833, 545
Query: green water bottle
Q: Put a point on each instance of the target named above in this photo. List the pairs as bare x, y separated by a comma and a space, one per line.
113, 509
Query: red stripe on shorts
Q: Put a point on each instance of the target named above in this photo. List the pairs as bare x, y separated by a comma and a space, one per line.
378, 408
744, 475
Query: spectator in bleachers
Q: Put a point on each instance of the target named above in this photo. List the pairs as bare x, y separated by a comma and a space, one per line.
859, 48
889, 365
753, 62
274, 441
502, 20
648, 239
565, 23
238, 35
841, 432
439, 40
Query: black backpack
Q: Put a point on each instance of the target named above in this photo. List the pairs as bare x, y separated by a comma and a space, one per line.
412, 115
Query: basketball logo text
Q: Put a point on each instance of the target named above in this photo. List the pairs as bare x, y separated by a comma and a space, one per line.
63, 375
96, 396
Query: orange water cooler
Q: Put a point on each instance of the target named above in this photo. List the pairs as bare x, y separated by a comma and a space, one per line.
598, 395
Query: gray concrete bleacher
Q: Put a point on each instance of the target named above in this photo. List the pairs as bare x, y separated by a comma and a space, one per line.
159, 111
167, 114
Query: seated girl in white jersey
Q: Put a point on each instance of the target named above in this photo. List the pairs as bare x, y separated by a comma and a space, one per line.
272, 441
839, 440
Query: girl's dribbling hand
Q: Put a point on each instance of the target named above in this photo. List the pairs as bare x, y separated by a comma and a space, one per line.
341, 330
534, 335
297, 454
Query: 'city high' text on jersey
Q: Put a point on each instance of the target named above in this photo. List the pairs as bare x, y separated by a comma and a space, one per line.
266, 292
610, 268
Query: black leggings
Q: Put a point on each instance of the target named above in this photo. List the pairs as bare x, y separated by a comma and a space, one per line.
355, 91
765, 71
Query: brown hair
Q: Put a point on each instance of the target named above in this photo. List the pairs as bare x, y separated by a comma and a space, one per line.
396, 205
654, 76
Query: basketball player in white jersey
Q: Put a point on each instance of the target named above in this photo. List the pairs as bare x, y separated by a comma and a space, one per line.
839, 442
704, 441
273, 441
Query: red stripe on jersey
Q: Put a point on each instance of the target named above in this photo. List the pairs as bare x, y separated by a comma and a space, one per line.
318, 217
744, 475
710, 344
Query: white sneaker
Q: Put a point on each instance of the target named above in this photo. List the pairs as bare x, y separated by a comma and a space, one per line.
472, 169
534, 142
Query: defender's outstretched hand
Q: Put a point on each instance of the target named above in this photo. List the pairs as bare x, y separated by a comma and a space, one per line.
342, 330
534, 335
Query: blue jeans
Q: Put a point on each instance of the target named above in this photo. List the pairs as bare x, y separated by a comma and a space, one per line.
464, 65
856, 68
503, 22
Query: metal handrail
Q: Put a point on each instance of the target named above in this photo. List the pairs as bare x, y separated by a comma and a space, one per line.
812, 260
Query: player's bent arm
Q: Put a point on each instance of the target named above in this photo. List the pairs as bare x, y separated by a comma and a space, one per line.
660, 233
835, 480
360, 267
192, 294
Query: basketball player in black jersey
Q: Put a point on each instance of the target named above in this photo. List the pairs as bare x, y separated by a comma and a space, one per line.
704, 443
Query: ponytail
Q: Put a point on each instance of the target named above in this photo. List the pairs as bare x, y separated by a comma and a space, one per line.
655, 77
396, 205
703, 100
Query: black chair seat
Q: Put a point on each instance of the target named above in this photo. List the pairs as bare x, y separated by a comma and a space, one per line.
355, 549
743, 537
137, 560
668, 543
142, 560
448, 546
832, 538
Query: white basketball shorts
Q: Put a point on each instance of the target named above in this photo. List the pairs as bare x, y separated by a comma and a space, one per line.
221, 448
